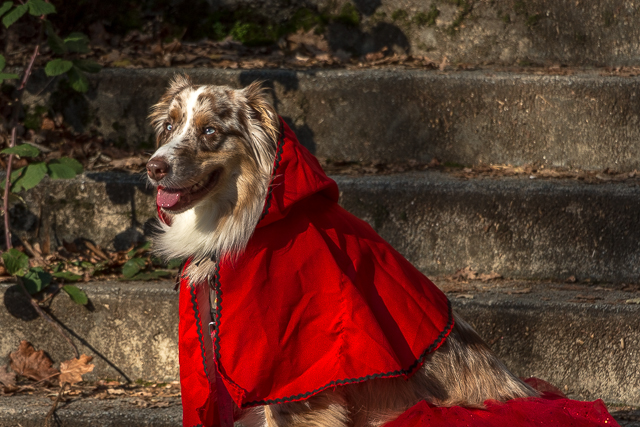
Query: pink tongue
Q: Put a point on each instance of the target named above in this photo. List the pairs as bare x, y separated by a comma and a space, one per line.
167, 199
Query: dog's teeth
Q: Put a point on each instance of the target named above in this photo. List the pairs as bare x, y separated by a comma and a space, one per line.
197, 186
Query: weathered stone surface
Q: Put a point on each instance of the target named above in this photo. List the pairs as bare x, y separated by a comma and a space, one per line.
511, 32
508, 32
111, 209
517, 227
130, 328
30, 411
584, 121
588, 350
539, 329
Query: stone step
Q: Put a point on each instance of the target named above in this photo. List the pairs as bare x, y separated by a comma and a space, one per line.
583, 121
585, 339
515, 226
499, 32
30, 411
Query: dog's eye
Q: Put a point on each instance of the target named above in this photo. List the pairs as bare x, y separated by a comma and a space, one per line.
169, 126
209, 131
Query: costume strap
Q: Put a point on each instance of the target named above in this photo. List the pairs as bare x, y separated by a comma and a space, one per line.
225, 402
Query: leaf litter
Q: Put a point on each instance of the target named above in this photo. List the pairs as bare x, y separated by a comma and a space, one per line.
31, 372
82, 261
28, 362
7, 379
72, 370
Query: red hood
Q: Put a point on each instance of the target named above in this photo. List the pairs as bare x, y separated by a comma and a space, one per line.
296, 175
317, 300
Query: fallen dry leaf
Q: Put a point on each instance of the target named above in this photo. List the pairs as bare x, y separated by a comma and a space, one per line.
588, 297
28, 362
465, 274
96, 250
160, 405
490, 276
7, 379
451, 287
47, 124
71, 371
519, 291
443, 64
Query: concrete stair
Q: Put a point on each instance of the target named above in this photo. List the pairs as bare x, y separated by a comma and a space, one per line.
582, 121
515, 226
30, 411
583, 338
536, 232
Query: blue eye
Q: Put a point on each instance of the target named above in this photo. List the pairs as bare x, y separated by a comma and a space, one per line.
169, 126
209, 131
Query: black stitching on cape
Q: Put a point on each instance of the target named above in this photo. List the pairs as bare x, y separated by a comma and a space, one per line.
194, 302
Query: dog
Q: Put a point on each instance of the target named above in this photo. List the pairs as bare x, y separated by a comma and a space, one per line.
216, 148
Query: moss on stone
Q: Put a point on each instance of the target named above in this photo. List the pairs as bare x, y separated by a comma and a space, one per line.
429, 19
533, 20
33, 119
348, 15
399, 15
608, 17
380, 216
464, 9
520, 8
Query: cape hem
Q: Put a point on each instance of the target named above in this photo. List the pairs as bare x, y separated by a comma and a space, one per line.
409, 371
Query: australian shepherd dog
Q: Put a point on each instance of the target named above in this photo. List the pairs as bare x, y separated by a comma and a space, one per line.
216, 150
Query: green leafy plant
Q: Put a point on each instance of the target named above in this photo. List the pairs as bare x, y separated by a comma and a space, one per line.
140, 268
29, 176
33, 280
36, 280
68, 63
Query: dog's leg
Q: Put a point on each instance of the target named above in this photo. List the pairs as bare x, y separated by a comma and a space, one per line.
326, 409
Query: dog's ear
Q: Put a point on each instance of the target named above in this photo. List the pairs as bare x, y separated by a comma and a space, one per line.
159, 111
179, 83
259, 109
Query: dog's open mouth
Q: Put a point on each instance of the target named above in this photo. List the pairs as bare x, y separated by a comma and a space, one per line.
178, 199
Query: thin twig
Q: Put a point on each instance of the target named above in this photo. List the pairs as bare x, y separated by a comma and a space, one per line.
45, 379
47, 419
45, 86
46, 317
51, 295
14, 124
7, 184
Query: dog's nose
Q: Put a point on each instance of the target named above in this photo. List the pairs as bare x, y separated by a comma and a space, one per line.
157, 168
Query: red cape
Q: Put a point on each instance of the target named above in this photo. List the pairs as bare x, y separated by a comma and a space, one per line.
552, 410
316, 300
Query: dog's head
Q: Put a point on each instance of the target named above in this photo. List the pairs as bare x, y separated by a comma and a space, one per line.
206, 136
216, 147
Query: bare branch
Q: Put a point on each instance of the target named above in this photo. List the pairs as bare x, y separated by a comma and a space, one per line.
47, 419
46, 317
14, 122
